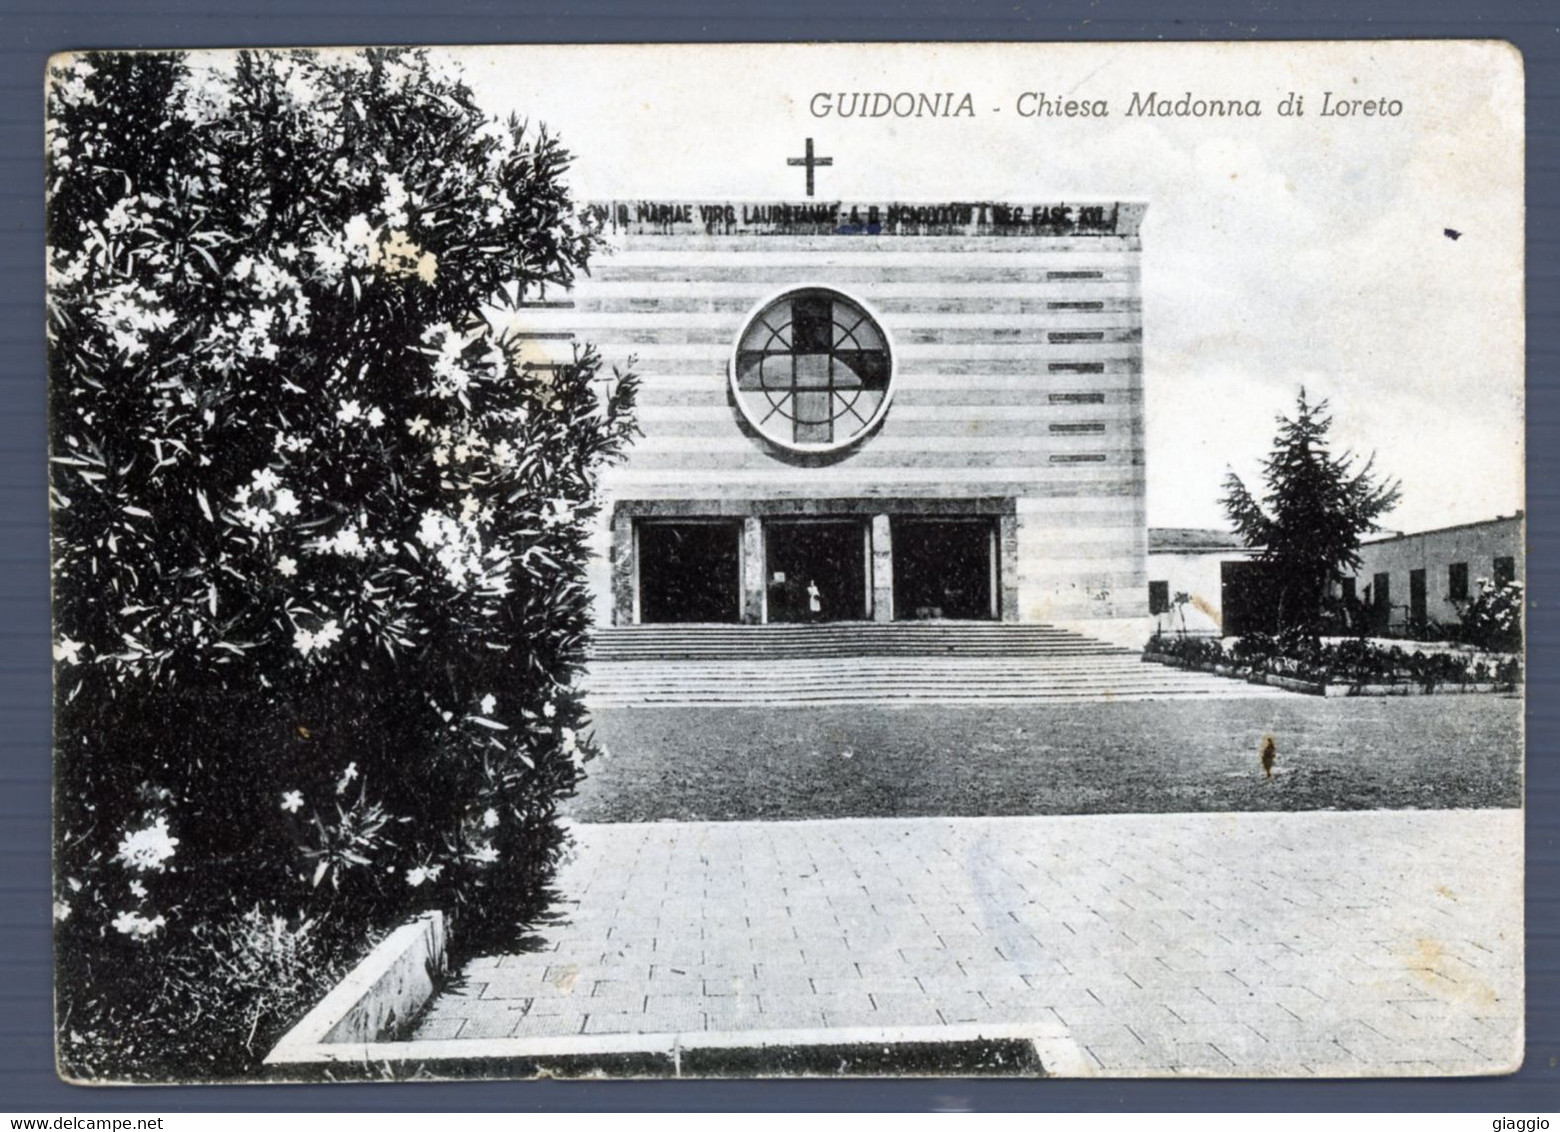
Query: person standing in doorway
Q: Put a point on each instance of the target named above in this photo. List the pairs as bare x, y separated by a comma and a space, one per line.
814, 600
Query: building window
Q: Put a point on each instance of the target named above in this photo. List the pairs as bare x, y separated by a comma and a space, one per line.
812, 370
1457, 582
1159, 597
1381, 601
1505, 571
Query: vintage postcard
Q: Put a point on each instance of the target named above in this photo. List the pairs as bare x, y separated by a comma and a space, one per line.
788, 559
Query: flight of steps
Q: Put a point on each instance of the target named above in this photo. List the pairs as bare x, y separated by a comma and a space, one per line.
902, 662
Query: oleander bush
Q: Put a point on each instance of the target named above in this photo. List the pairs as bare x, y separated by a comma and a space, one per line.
319, 533
1492, 619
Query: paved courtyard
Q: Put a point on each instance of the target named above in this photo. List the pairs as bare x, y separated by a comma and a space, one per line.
1385, 942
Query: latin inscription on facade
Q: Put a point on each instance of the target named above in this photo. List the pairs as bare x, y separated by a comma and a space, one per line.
835, 218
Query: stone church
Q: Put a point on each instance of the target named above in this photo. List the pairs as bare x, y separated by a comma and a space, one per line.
878, 411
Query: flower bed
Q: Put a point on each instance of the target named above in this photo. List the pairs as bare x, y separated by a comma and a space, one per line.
1340, 668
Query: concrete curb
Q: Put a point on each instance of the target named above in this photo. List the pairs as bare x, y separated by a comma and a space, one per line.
354, 1029
377, 998
1058, 1055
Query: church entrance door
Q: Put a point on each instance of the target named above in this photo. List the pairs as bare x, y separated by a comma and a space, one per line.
944, 568
689, 572
816, 570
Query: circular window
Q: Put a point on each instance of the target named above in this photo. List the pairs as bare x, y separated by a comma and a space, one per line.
812, 370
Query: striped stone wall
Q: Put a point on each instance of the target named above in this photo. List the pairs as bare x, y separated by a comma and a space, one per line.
1017, 341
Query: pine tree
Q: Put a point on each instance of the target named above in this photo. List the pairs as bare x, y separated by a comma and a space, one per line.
1309, 521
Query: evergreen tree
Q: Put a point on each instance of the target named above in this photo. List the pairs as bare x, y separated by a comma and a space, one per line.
1311, 516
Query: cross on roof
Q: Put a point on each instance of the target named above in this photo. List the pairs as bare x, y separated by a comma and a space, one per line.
810, 162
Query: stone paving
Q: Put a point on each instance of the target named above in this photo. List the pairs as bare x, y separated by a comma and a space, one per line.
1379, 942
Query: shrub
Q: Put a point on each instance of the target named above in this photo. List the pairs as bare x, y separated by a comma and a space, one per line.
220, 997
1254, 648
1352, 661
1194, 650
1493, 618
319, 532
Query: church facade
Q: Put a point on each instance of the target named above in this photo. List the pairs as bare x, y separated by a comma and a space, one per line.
869, 412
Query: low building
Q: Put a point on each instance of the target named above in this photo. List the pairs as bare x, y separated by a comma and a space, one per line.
1202, 563
1408, 582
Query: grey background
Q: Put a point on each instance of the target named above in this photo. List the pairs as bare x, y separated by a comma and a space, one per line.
30, 31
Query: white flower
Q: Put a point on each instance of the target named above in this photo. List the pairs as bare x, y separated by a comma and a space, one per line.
67, 651
137, 889
128, 343
430, 528
571, 746
329, 258
417, 425
292, 801
147, 848
349, 412
417, 876
286, 567
396, 198
489, 818
485, 855
358, 235
266, 479
458, 549
61, 911
549, 709
256, 519
241, 496
346, 777
136, 926
307, 642
450, 374
376, 417
489, 702
285, 503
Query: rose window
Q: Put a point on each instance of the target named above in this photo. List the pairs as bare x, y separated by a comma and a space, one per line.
812, 370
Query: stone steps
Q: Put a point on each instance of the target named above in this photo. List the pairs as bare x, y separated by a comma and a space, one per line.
882, 664
850, 639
